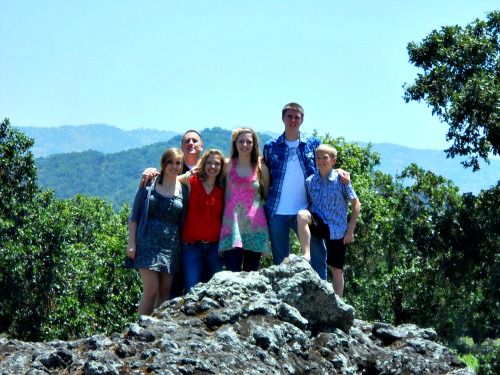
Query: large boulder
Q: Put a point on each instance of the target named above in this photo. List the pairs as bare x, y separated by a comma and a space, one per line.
279, 320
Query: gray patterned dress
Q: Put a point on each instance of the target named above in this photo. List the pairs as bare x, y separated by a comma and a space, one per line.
160, 249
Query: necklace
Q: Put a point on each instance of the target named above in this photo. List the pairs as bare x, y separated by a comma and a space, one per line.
166, 190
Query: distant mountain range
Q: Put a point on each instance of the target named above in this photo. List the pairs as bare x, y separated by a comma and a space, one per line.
109, 140
97, 137
395, 158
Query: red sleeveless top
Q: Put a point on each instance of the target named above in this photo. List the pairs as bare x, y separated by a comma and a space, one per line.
204, 213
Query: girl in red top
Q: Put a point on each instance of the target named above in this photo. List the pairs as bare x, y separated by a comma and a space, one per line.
201, 231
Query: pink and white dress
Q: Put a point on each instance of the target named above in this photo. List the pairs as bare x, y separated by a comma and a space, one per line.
244, 223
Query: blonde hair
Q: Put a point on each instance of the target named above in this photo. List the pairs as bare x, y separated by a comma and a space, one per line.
325, 147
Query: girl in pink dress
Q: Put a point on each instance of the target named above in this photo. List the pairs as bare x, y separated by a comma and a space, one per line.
244, 235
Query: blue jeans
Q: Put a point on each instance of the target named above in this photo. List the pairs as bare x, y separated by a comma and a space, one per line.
200, 261
236, 258
279, 234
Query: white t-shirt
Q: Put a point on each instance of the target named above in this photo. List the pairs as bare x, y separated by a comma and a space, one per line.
293, 195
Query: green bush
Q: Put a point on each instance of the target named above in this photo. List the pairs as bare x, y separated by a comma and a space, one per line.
489, 362
64, 272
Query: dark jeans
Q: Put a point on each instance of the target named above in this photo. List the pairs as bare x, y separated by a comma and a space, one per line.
200, 261
240, 259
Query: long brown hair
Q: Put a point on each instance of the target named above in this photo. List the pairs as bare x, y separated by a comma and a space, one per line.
255, 154
168, 155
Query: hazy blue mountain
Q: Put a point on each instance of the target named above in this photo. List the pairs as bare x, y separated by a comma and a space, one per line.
97, 137
395, 158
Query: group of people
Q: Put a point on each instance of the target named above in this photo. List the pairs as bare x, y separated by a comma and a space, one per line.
199, 214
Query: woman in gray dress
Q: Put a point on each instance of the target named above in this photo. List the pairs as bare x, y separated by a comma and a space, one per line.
154, 231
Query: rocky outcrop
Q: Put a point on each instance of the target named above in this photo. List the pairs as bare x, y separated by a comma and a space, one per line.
280, 320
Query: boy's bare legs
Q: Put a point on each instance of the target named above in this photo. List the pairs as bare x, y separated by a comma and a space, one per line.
303, 222
338, 281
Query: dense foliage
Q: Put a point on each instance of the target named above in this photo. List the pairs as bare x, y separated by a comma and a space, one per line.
489, 363
423, 253
17, 179
461, 82
60, 264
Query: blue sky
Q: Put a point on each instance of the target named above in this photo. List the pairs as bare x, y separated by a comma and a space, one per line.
177, 65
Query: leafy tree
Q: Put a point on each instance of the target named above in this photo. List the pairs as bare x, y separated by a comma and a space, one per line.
61, 271
481, 260
62, 276
461, 82
89, 291
17, 178
489, 362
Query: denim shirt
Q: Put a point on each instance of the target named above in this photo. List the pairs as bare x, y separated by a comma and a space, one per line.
276, 156
330, 199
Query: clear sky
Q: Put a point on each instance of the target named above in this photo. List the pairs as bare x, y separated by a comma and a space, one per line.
177, 65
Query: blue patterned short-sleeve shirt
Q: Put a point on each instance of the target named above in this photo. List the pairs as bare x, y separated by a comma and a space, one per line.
330, 198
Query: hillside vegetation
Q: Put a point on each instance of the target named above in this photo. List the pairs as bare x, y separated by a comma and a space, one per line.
106, 162
113, 176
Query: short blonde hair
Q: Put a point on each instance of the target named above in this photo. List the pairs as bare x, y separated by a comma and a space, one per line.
332, 151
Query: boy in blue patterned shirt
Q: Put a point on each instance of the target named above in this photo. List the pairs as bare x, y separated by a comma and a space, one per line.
327, 215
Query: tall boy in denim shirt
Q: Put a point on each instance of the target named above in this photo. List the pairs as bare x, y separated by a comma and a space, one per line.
290, 159
327, 215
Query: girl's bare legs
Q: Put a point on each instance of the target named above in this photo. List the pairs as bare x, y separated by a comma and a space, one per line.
155, 290
163, 294
303, 222
338, 281
150, 287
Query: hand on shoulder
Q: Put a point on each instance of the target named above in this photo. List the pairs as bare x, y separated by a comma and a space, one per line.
345, 176
148, 175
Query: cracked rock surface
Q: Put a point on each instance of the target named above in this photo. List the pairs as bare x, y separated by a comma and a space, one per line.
279, 320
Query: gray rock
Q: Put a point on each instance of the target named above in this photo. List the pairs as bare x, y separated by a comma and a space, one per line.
280, 320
